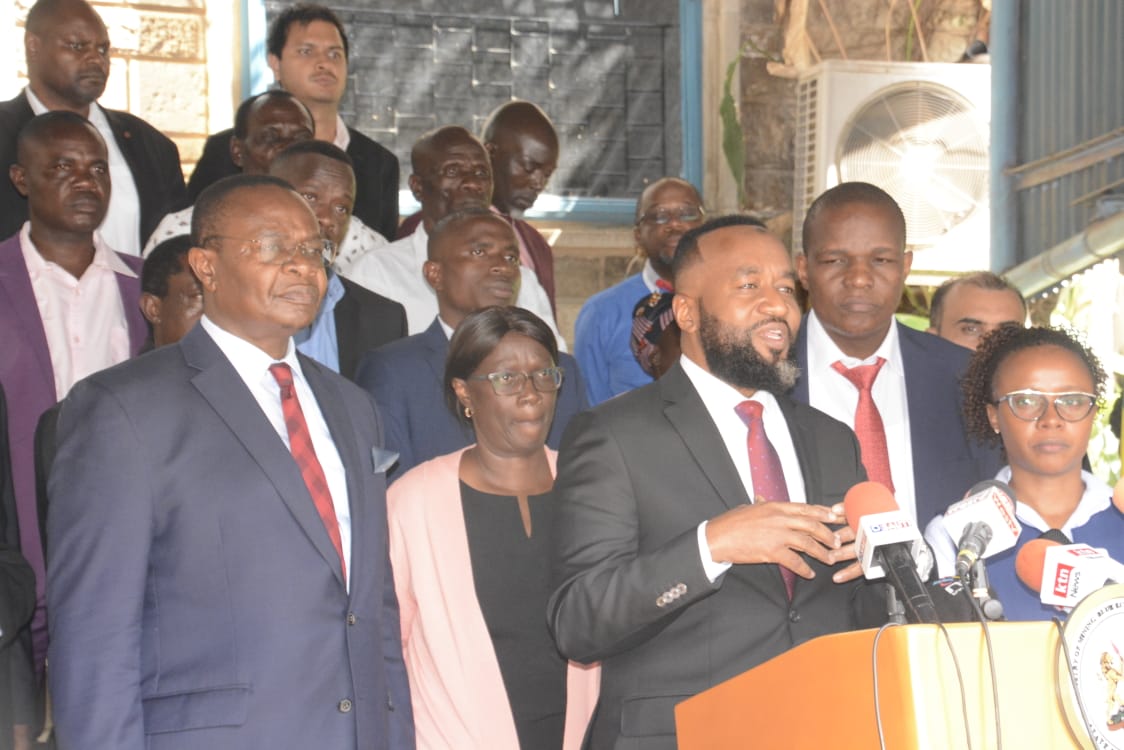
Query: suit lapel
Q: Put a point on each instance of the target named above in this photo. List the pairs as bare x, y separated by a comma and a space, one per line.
688, 415
799, 391
802, 442
16, 283
129, 288
346, 315
218, 382
339, 424
436, 346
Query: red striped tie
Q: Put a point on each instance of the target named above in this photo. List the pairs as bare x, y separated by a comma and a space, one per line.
300, 443
765, 466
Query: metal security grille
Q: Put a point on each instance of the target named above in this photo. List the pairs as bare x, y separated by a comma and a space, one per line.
611, 85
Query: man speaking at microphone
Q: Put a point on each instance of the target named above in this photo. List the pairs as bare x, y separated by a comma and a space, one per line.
698, 530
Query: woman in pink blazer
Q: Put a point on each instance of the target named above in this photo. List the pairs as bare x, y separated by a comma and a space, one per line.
469, 543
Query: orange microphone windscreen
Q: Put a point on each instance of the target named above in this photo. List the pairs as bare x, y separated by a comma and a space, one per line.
1030, 561
866, 498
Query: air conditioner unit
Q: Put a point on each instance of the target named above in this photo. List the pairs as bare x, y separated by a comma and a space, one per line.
920, 131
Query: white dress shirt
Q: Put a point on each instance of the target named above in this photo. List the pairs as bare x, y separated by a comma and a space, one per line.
84, 319
833, 394
721, 399
121, 226
252, 365
395, 271
649, 276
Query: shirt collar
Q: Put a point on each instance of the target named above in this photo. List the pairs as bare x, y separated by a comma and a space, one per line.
250, 361
104, 257
718, 396
335, 290
650, 277
95, 115
823, 352
1095, 499
343, 135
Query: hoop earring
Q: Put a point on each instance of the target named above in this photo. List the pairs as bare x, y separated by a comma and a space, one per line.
468, 412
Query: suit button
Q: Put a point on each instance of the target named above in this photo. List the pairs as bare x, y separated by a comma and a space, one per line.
351, 618
793, 616
681, 589
345, 706
662, 600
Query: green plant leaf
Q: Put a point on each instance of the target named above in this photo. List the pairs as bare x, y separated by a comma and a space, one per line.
733, 144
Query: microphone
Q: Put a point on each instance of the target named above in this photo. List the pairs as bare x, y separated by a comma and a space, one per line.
984, 522
887, 543
1064, 574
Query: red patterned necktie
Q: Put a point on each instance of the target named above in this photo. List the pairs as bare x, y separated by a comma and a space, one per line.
868, 422
765, 466
300, 443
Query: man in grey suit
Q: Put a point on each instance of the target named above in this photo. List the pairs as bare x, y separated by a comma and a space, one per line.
668, 572
218, 562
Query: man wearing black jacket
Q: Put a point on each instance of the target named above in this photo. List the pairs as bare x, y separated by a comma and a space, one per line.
308, 51
67, 48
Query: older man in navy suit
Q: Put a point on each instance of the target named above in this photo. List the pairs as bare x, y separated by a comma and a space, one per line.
218, 569
473, 263
899, 388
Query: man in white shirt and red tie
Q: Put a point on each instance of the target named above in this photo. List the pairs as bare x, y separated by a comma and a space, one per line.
698, 516
219, 574
898, 388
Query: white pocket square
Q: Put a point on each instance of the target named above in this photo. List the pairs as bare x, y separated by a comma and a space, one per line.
382, 459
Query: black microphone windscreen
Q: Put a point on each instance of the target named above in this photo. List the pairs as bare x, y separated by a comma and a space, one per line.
951, 600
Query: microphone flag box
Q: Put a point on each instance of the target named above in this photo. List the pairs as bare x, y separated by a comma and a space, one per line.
1071, 572
993, 507
878, 529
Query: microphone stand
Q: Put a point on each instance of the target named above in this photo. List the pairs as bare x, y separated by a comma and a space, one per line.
895, 610
991, 607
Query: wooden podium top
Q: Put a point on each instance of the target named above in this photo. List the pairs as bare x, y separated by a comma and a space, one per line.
821, 694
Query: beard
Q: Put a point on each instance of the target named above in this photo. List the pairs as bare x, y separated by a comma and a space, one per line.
732, 358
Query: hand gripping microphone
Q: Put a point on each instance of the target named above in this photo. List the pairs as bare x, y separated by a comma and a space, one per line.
886, 543
1064, 574
983, 523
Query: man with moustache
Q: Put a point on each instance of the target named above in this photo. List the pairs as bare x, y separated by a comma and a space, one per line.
473, 263
451, 171
219, 574
352, 320
666, 209
67, 49
898, 387
69, 304
308, 52
697, 516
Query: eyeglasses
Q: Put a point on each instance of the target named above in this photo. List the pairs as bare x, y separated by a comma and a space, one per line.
508, 383
663, 216
274, 253
1030, 406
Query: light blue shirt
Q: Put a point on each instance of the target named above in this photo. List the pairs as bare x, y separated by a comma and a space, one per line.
319, 341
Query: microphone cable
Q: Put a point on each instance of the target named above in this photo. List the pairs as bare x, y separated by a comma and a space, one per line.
1062, 649
991, 666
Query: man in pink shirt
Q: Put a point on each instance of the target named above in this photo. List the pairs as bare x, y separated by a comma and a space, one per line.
69, 305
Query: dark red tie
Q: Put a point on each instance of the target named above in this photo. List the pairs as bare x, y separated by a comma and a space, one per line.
664, 285
868, 422
765, 466
300, 443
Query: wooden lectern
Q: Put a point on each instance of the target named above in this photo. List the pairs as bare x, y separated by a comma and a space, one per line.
821, 694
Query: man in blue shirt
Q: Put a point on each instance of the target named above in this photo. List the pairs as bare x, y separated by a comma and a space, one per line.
666, 209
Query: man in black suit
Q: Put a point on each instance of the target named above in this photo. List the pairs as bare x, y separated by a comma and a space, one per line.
67, 48
362, 320
669, 574
308, 52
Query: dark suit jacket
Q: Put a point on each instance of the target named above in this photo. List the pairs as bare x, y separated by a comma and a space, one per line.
152, 157
636, 476
946, 463
537, 247
406, 378
365, 321
196, 599
28, 378
17, 602
376, 177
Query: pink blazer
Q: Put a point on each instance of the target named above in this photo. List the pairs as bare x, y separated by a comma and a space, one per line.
456, 687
